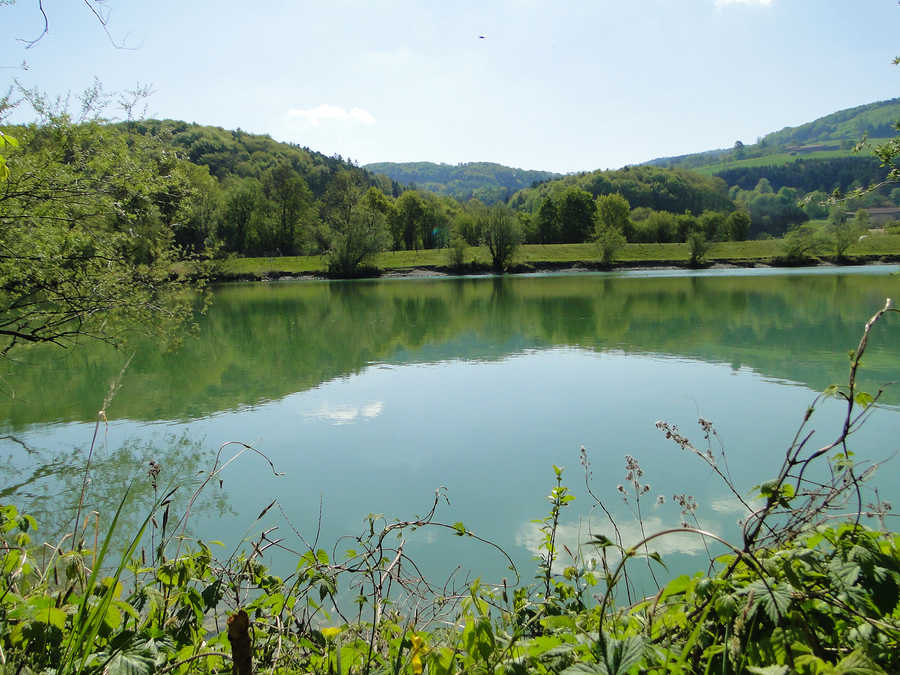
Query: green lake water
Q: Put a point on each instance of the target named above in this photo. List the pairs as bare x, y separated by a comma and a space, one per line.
369, 396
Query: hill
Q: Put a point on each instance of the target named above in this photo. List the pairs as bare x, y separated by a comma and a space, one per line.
480, 180
830, 137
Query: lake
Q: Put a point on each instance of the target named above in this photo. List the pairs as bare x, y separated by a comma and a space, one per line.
370, 396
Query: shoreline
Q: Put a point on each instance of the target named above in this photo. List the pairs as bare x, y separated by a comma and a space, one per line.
442, 271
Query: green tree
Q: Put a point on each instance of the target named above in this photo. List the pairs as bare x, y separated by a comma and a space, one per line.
843, 232
698, 247
737, 225
358, 229
87, 233
763, 187
801, 243
609, 242
814, 204
501, 233
612, 211
465, 227
292, 199
576, 215
713, 225
245, 217
410, 213
547, 222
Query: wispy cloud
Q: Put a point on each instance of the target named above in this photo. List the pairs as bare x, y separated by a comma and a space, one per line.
725, 3
331, 113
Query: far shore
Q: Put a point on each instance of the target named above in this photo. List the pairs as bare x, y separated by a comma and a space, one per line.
532, 267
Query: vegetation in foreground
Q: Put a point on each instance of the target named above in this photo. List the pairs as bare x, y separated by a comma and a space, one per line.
807, 588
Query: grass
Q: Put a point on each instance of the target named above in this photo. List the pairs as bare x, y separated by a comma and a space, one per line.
539, 255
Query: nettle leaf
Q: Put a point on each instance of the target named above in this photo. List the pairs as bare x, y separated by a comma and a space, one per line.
857, 663
768, 670
585, 668
774, 599
617, 656
130, 663
846, 573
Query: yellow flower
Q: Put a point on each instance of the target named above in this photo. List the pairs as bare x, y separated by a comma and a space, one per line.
331, 632
418, 645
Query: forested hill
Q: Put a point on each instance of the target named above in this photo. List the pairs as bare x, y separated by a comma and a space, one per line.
240, 155
828, 137
485, 181
672, 190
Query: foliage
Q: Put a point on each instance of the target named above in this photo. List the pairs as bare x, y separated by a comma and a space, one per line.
359, 228
487, 182
502, 235
698, 246
609, 242
88, 226
456, 254
843, 232
801, 243
675, 191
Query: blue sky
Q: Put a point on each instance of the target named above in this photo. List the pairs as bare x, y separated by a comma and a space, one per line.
562, 86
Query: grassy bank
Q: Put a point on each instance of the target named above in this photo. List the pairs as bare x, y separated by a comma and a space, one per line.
538, 256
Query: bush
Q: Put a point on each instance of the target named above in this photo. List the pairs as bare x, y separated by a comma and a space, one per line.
800, 244
609, 242
698, 247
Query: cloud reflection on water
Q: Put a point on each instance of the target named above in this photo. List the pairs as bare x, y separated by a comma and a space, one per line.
347, 414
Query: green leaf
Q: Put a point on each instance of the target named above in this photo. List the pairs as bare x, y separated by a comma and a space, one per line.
600, 541
857, 663
768, 670
863, 399
830, 391
130, 663
774, 599
620, 656
676, 586
845, 573
554, 623
460, 529
585, 668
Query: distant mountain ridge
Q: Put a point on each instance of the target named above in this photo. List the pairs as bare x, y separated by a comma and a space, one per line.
486, 181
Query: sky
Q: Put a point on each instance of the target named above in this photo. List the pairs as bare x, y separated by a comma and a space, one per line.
560, 85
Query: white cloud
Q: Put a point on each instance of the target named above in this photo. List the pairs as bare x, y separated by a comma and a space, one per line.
331, 113
724, 3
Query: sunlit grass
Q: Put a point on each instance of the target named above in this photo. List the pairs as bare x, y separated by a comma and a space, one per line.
763, 251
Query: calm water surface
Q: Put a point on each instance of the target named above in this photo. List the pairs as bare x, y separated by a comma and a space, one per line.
369, 396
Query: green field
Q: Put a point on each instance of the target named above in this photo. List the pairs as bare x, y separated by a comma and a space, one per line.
781, 158
548, 255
